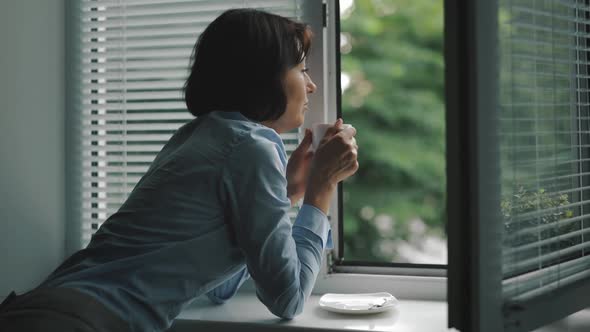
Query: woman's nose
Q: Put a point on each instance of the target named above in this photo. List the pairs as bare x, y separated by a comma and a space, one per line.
311, 87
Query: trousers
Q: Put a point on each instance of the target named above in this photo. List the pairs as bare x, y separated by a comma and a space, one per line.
58, 309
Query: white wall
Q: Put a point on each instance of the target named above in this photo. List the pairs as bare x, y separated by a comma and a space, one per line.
32, 203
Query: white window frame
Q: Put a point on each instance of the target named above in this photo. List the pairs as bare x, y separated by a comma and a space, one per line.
408, 283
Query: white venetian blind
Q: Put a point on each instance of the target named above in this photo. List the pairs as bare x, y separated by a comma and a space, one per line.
132, 60
544, 144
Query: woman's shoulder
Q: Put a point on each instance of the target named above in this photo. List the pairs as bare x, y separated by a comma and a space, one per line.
260, 142
256, 141
230, 134
246, 132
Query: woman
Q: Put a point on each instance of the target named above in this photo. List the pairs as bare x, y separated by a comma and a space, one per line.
212, 208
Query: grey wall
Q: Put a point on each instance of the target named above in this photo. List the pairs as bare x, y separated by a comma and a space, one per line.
32, 90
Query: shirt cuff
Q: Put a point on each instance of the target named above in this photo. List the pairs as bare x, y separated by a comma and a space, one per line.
314, 220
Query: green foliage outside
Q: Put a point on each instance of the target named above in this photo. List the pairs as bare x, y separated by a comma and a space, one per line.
392, 51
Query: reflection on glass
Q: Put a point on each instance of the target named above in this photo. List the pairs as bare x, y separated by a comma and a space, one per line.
543, 142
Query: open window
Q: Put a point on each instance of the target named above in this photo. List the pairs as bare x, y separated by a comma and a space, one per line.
388, 61
517, 103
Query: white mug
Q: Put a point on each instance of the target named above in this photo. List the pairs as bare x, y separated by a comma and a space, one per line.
318, 131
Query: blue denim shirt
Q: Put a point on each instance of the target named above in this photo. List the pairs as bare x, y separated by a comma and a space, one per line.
210, 212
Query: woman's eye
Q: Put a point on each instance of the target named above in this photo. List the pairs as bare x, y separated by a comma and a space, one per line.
304, 70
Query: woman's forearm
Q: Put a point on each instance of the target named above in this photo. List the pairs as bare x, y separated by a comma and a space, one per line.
319, 194
293, 195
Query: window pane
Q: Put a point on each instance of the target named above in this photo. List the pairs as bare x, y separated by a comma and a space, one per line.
544, 117
392, 74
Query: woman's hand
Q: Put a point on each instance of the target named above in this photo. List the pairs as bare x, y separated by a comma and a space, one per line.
335, 160
298, 169
336, 155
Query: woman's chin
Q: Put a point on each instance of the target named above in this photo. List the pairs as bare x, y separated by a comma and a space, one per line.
301, 121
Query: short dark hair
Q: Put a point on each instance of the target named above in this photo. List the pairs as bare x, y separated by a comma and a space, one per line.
239, 63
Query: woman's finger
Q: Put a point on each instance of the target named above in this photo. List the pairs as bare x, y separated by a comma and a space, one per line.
307, 139
334, 129
305, 143
349, 131
353, 167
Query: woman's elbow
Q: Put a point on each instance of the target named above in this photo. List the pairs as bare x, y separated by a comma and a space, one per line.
288, 314
290, 309
215, 299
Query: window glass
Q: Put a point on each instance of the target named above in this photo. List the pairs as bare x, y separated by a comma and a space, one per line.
392, 79
543, 146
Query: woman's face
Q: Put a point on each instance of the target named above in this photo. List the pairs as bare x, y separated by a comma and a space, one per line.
297, 84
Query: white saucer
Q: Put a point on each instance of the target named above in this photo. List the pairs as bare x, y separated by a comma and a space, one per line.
368, 303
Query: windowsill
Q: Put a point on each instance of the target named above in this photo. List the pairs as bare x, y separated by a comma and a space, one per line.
245, 312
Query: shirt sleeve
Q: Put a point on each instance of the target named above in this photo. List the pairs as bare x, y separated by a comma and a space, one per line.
283, 259
229, 288
309, 223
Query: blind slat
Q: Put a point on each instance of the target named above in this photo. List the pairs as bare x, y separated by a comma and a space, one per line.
136, 75
154, 106
122, 44
129, 86
163, 116
153, 54
207, 4
162, 31
136, 65
139, 96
